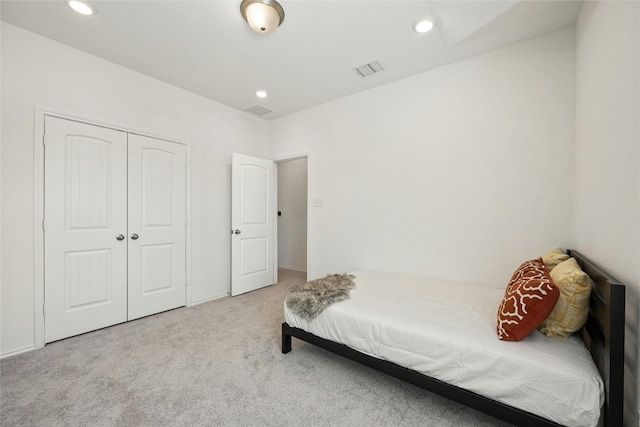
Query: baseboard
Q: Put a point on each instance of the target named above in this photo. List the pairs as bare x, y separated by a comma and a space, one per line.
292, 268
201, 301
17, 352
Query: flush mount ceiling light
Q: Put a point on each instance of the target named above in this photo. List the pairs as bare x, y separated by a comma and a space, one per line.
424, 25
261, 94
263, 16
82, 7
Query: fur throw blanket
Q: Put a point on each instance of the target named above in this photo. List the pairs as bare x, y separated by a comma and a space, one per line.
308, 300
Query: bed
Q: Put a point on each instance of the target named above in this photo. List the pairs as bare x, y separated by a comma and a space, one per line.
410, 334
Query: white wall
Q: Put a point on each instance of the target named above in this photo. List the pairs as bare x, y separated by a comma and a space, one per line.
607, 179
460, 173
292, 225
39, 72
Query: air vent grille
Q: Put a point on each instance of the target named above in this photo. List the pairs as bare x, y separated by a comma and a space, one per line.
369, 69
258, 110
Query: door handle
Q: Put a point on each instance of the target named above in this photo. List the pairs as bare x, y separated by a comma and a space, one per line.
237, 232
134, 236
120, 237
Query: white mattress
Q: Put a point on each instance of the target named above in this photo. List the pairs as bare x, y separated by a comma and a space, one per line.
448, 331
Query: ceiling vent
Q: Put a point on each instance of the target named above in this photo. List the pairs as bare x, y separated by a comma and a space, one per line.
369, 69
258, 110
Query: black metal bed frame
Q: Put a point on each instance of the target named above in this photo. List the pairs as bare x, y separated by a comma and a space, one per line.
603, 335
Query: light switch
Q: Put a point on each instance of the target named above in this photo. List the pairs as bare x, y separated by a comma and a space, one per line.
318, 203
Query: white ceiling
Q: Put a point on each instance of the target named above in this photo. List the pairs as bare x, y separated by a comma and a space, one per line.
207, 48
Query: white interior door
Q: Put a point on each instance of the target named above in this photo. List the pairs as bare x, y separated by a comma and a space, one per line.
253, 213
157, 249
85, 228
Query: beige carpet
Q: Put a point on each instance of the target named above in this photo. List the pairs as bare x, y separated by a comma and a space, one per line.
215, 364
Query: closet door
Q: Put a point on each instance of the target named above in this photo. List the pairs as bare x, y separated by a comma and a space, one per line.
157, 265
85, 227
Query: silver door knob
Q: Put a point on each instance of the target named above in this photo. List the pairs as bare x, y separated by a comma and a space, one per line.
120, 237
134, 236
237, 232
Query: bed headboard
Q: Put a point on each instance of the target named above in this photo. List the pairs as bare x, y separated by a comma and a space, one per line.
603, 335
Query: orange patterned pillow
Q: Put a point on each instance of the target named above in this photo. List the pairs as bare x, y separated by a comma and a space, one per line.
528, 301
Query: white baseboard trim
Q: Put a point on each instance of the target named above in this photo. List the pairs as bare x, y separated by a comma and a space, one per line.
201, 301
19, 351
292, 268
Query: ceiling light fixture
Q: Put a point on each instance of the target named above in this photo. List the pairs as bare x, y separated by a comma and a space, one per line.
82, 7
424, 25
261, 94
263, 16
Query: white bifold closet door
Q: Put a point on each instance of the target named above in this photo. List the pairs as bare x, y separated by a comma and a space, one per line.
114, 227
85, 210
157, 265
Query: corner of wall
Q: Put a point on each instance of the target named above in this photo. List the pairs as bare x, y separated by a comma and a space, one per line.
606, 203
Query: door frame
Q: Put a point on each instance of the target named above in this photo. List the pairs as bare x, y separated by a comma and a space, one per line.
40, 114
283, 159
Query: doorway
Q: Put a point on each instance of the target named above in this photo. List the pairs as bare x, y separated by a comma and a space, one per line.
292, 214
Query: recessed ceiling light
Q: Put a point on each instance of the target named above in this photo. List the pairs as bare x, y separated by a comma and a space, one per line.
424, 25
82, 7
261, 94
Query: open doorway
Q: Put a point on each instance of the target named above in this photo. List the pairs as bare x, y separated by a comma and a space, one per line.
292, 214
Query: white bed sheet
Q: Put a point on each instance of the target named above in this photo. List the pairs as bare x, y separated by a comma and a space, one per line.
448, 331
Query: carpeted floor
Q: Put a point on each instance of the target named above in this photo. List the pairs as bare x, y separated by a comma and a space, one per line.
215, 364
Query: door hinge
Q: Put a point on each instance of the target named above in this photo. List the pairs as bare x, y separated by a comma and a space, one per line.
44, 309
44, 139
44, 227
